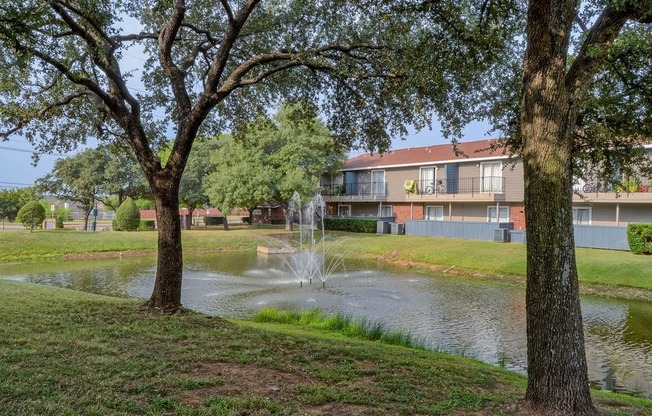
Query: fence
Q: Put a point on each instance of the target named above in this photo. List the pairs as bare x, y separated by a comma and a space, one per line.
466, 230
588, 236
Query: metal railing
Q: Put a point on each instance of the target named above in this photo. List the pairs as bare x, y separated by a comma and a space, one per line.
475, 185
621, 187
357, 189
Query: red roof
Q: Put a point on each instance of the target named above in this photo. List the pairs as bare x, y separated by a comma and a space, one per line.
428, 154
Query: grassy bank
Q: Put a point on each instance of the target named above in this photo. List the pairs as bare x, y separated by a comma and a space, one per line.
41, 245
71, 353
598, 267
602, 268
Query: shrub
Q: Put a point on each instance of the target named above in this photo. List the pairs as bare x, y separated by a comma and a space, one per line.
147, 225
213, 220
59, 223
127, 217
354, 225
31, 215
639, 237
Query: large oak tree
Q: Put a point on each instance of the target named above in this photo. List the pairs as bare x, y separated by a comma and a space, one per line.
553, 142
210, 66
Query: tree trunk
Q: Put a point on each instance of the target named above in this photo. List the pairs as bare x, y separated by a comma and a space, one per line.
87, 214
289, 216
557, 371
226, 223
169, 266
191, 210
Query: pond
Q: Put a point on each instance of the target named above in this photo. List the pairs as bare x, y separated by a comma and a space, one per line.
475, 318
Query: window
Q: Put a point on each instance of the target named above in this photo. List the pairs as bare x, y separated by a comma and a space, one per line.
582, 216
337, 184
435, 212
386, 211
378, 182
491, 177
344, 210
497, 215
426, 178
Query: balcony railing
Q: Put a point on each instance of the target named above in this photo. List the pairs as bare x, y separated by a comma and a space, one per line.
476, 185
622, 187
359, 190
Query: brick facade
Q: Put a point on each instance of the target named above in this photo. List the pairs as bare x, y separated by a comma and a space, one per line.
407, 211
517, 215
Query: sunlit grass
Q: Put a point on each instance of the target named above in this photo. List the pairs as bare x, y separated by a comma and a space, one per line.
53, 244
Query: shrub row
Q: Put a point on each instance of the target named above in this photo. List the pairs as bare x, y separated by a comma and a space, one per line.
213, 220
639, 237
147, 225
354, 225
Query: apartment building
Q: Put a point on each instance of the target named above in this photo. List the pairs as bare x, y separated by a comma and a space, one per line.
469, 183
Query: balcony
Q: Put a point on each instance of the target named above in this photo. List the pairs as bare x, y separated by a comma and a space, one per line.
359, 191
491, 188
625, 191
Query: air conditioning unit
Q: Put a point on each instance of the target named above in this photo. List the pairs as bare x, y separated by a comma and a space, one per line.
501, 235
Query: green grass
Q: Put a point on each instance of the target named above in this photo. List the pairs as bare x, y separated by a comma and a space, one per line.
40, 245
349, 327
599, 267
72, 353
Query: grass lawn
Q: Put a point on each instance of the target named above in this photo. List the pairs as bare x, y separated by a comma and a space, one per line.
71, 353
605, 268
55, 244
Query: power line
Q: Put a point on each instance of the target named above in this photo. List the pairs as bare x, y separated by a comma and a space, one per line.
15, 183
15, 149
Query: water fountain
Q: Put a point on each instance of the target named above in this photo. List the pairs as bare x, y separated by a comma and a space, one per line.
311, 260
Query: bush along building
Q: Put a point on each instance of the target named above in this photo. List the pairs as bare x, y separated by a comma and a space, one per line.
472, 191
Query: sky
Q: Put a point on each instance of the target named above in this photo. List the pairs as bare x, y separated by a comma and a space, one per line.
17, 169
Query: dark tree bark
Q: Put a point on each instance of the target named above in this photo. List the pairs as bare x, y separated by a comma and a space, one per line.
166, 295
551, 98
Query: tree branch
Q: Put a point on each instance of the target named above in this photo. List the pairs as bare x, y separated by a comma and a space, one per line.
233, 30
267, 74
90, 21
102, 56
595, 46
166, 39
228, 10
135, 36
46, 109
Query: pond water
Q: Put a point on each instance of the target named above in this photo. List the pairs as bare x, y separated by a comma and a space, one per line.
480, 319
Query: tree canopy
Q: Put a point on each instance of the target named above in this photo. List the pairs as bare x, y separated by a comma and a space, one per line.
272, 159
31, 215
11, 200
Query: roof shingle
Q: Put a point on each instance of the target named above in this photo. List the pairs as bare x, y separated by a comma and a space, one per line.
426, 154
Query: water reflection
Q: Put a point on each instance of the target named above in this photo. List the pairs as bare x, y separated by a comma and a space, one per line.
480, 319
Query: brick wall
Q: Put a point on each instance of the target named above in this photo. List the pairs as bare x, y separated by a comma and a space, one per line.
404, 212
517, 215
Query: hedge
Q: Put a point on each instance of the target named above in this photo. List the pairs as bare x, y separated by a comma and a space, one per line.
213, 220
147, 225
354, 225
639, 237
